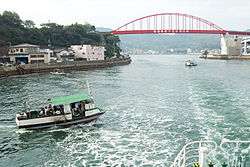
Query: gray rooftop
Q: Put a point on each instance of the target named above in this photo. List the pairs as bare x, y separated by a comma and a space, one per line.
62, 49
25, 45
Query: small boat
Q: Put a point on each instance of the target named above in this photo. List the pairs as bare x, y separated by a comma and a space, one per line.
205, 154
61, 112
189, 63
58, 72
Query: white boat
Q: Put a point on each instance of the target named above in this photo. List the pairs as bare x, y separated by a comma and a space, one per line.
207, 154
189, 63
58, 72
62, 112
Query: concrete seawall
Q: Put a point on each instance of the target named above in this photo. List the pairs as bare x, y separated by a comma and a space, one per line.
76, 65
225, 57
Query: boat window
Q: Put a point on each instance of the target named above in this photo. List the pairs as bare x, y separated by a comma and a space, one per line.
89, 101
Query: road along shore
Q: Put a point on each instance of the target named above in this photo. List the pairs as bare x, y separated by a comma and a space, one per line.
66, 66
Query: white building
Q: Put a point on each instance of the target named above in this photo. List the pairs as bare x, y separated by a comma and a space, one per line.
151, 52
64, 54
245, 43
50, 53
88, 52
189, 50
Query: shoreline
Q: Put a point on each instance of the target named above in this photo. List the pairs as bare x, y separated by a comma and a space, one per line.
76, 65
225, 57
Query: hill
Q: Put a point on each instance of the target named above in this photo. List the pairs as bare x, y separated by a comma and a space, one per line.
103, 29
162, 42
15, 31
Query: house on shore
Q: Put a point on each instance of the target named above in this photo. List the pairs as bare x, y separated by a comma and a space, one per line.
28, 54
64, 54
88, 52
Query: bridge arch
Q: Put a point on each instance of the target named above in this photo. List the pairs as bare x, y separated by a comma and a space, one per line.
169, 23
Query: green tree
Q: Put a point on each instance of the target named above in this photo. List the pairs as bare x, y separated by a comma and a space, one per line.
15, 31
112, 48
29, 24
11, 28
11, 18
205, 52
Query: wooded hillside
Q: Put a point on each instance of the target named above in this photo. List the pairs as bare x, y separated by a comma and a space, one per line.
14, 31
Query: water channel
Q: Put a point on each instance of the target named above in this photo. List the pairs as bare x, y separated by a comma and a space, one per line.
153, 107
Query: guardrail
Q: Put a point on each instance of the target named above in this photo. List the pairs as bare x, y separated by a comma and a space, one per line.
201, 152
238, 154
194, 152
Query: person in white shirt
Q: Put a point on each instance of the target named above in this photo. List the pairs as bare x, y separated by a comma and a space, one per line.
58, 112
46, 111
41, 112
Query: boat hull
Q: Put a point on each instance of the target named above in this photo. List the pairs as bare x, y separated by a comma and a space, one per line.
55, 73
190, 65
61, 123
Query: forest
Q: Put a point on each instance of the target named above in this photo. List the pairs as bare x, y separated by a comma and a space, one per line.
15, 31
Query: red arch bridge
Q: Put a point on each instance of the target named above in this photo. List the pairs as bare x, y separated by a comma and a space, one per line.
172, 23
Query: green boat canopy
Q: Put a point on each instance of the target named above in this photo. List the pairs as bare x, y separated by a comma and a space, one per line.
69, 99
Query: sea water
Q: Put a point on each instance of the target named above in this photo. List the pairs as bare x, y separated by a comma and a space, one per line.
154, 106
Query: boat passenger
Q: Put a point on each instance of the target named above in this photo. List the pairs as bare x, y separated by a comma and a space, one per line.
77, 112
50, 106
58, 112
83, 105
50, 111
54, 108
28, 115
72, 106
61, 110
77, 105
42, 112
46, 111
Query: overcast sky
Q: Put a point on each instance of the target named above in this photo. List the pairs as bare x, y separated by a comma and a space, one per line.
228, 14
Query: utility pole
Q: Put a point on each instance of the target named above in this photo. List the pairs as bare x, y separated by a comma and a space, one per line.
114, 49
102, 40
49, 45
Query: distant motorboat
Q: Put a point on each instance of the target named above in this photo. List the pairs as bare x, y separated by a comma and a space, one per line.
190, 63
57, 72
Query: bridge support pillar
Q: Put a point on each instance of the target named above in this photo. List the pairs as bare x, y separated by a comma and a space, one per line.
230, 46
224, 44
